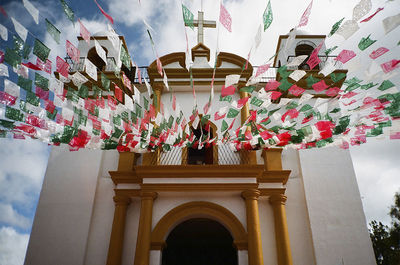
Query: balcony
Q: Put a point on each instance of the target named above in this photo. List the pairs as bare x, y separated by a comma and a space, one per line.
325, 59
267, 76
171, 170
222, 154
111, 65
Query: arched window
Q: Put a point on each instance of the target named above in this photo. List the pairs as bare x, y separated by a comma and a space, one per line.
95, 58
305, 48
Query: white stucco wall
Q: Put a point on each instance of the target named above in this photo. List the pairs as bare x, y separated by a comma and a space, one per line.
296, 211
337, 220
167, 201
101, 223
61, 225
324, 213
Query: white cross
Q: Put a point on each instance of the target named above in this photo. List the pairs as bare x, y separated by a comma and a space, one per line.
201, 23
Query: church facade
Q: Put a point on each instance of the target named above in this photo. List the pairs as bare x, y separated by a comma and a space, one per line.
209, 205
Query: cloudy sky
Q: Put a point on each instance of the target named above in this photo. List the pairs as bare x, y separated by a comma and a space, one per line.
23, 162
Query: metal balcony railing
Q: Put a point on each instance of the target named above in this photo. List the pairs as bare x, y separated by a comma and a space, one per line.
324, 60
267, 76
222, 155
75, 66
111, 65
143, 73
80, 66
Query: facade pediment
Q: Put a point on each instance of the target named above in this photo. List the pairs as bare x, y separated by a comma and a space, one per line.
168, 59
175, 67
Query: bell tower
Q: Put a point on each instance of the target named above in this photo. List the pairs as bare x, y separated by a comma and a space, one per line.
298, 43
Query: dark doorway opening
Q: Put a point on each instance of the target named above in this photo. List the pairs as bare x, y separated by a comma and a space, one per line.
205, 154
199, 241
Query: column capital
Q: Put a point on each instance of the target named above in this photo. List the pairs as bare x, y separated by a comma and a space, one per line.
158, 87
277, 199
251, 194
148, 195
121, 200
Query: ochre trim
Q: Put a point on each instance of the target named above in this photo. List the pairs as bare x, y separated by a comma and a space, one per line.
236, 60
127, 192
182, 73
170, 58
274, 176
195, 171
203, 52
198, 209
199, 187
124, 177
204, 171
272, 191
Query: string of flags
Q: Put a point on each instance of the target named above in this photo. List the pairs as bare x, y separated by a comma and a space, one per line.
92, 111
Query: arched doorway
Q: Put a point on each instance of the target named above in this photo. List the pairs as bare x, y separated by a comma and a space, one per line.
199, 241
195, 210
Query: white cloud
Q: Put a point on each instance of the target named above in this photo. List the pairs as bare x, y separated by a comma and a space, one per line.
23, 164
13, 246
69, 32
10, 216
166, 18
377, 170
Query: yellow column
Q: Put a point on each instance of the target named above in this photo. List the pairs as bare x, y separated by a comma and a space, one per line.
154, 157
246, 156
142, 253
118, 228
253, 227
245, 111
281, 230
157, 90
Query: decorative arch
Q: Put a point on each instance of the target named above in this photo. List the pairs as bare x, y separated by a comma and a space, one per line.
197, 209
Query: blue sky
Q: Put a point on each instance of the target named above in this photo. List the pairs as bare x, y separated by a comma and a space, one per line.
23, 162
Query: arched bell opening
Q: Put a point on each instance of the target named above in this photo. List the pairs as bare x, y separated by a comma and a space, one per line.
305, 49
199, 241
96, 59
